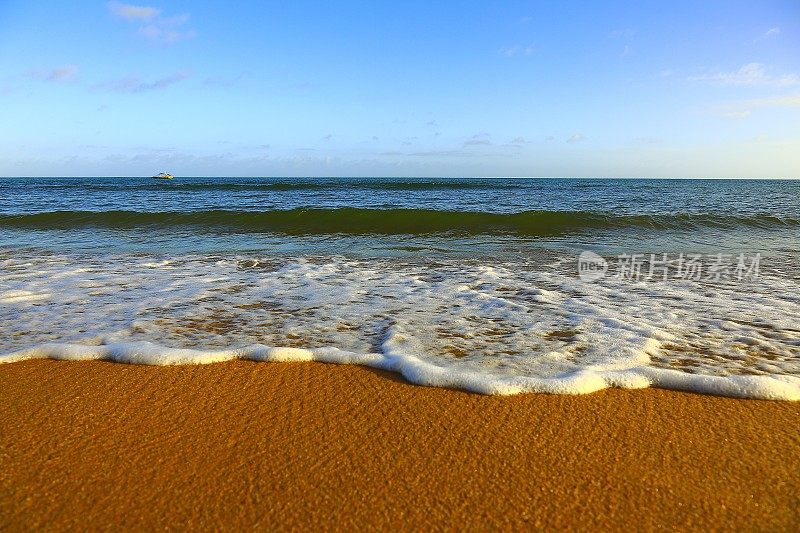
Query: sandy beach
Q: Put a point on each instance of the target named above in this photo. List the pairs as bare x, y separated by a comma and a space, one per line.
253, 445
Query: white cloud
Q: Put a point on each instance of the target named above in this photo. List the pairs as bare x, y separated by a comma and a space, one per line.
131, 12
162, 35
177, 20
133, 84
65, 73
576, 138
625, 33
770, 33
480, 139
776, 101
745, 108
737, 115
225, 81
157, 29
749, 74
760, 157
517, 50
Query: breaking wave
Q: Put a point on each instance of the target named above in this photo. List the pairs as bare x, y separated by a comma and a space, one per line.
386, 221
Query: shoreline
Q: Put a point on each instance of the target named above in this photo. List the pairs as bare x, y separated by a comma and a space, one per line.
242, 444
425, 373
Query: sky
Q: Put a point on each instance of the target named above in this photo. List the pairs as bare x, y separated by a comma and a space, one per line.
412, 88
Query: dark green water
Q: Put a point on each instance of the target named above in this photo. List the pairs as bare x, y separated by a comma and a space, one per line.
386, 217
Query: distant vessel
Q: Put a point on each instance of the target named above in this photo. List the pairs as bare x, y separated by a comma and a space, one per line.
163, 176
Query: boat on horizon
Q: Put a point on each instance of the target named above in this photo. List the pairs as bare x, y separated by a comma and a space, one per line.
163, 176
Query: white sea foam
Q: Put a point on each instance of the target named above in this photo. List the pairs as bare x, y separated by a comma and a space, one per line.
494, 329
8, 297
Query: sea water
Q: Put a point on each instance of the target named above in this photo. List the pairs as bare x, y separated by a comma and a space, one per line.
467, 283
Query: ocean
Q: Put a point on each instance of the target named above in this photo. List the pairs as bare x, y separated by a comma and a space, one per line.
497, 286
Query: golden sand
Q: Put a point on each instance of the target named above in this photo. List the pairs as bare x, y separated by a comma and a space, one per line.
268, 445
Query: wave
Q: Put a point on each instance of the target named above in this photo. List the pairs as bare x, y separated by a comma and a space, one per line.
421, 372
497, 327
358, 221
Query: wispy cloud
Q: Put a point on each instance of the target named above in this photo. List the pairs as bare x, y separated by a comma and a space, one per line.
132, 12
749, 74
133, 84
743, 109
65, 73
475, 146
516, 143
158, 29
452, 153
480, 139
167, 30
225, 81
769, 34
518, 50
576, 138
737, 115
442, 153
625, 33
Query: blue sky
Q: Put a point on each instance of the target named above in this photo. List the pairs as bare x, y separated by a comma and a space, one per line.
413, 88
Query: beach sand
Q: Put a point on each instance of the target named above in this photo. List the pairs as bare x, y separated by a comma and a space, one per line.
268, 445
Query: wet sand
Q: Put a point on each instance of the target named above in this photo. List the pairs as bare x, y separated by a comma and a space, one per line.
268, 445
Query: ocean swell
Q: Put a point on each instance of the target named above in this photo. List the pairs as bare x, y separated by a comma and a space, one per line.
356, 221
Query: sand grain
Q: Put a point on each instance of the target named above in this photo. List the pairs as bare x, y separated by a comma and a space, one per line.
243, 444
